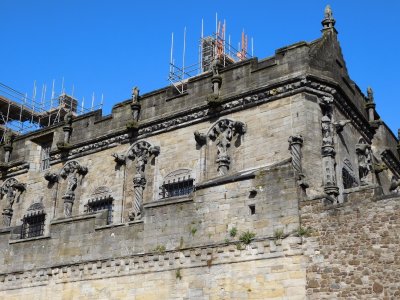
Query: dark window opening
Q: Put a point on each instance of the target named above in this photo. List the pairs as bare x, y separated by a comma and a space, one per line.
45, 157
102, 204
32, 226
348, 180
177, 187
252, 208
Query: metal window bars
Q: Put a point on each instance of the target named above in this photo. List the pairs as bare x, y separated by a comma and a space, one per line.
101, 204
177, 188
33, 225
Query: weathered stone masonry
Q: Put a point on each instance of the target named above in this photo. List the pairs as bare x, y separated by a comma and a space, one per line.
256, 183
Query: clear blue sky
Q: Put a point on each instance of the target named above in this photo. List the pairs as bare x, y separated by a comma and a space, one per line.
109, 46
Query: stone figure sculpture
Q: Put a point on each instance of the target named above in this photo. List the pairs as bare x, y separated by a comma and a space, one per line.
222, 133
140, 152
69, 195
363, 151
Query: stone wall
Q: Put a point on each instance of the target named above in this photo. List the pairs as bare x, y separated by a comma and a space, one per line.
352, 252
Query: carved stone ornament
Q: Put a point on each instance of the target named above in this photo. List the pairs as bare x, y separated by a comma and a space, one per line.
339, 125
140, 152
70, 172
200, 138
8, 139
295, 144
222, 133
363, 151
328, 149
10, 191
119, 158
51, 177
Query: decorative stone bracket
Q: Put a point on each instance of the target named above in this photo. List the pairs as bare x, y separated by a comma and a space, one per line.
140, 152
120, 159
11, 190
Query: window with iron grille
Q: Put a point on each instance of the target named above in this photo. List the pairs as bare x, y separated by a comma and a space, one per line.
177, 187
101, 204
45, 157
33, 225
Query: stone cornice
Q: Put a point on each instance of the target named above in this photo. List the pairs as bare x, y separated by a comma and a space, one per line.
391, 161
200, 256
289, 87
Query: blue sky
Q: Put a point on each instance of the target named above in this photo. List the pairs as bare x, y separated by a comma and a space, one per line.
106, 47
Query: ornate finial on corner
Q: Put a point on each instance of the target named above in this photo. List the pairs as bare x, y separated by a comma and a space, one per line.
135, 94
328, 22
370, 94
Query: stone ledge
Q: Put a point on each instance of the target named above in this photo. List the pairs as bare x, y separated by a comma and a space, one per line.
44, 237
109, 226
169, 201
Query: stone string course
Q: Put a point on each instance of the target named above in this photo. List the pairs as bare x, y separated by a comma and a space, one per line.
296, 85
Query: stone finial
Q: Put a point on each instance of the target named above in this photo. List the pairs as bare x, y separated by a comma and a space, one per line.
328, 22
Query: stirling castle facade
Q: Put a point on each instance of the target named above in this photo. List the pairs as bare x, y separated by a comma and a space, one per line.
264, 179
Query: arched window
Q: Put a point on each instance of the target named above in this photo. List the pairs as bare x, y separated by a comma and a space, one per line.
33, 221
177, 183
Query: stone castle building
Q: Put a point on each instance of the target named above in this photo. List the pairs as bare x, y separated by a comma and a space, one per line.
265, 179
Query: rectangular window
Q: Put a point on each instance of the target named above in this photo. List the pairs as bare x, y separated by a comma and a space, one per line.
33, 226
102, 204
177, 188
45, 157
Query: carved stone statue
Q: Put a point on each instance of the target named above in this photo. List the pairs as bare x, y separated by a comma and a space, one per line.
363, 151
135, 95
9, 191
222, 133
70, 172
69, 195
328, 12
327, 139
140, 152
8, 139
10, 197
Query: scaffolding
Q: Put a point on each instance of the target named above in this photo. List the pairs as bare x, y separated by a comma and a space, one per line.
211, 47
22, 114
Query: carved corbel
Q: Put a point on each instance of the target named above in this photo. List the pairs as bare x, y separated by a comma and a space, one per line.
200, 138
119, 158
51, 177
339, 125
